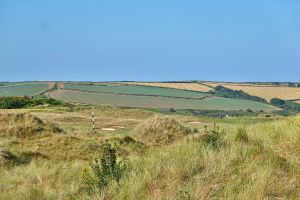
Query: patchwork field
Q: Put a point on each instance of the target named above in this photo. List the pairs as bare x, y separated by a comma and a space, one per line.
264, 91
135, 95
21, 89
184, 86
135, 90
215, 103
269, 92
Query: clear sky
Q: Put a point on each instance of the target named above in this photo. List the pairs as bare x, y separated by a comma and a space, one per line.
150, 40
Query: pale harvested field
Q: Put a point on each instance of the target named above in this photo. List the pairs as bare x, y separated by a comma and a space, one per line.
215, 84
297, 101
184, 86
269, 92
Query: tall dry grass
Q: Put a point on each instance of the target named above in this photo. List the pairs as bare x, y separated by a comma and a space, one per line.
261, 164
257, 162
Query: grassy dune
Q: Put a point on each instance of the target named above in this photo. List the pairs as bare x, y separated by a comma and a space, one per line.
257, 161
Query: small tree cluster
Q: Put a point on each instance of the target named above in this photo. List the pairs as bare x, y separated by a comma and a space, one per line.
25, 102
238, 94
285, 104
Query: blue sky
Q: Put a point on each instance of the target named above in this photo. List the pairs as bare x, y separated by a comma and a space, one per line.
150, 40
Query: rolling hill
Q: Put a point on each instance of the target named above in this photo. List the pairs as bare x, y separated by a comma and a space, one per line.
266, 91
177, 95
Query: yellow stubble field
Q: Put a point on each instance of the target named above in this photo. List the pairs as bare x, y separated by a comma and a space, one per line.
184, 86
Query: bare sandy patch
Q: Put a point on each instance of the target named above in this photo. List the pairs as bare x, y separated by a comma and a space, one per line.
108, 129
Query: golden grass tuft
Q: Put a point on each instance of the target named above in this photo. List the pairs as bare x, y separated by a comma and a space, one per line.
161, 130
24, 125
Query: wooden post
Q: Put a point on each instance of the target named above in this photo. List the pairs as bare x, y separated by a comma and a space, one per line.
215, 125
205, 129
93, 122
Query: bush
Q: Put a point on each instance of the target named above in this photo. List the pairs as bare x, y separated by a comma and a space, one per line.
104, 170
172, 110
12, 102
277, 102
213, 139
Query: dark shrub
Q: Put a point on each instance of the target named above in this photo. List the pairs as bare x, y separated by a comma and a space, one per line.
104, 170
213, 139
25, 102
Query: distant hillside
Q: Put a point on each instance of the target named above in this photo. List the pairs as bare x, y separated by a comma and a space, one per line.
267, 91
165, 95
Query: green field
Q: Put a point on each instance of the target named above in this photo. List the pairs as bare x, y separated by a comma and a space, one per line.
21, 89
159, 102
132, 96
6, 83
137, 90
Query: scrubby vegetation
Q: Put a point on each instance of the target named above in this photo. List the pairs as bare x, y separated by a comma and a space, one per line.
259, 162
286, 105
104, 170
238, 94
213, 139
27, 102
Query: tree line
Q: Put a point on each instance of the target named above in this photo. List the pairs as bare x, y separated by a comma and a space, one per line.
27, 102
237, 94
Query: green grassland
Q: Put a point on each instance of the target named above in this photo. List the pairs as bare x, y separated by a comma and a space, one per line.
158, 102
131, 96
6, 83
137, 90
21, 89
258, 158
